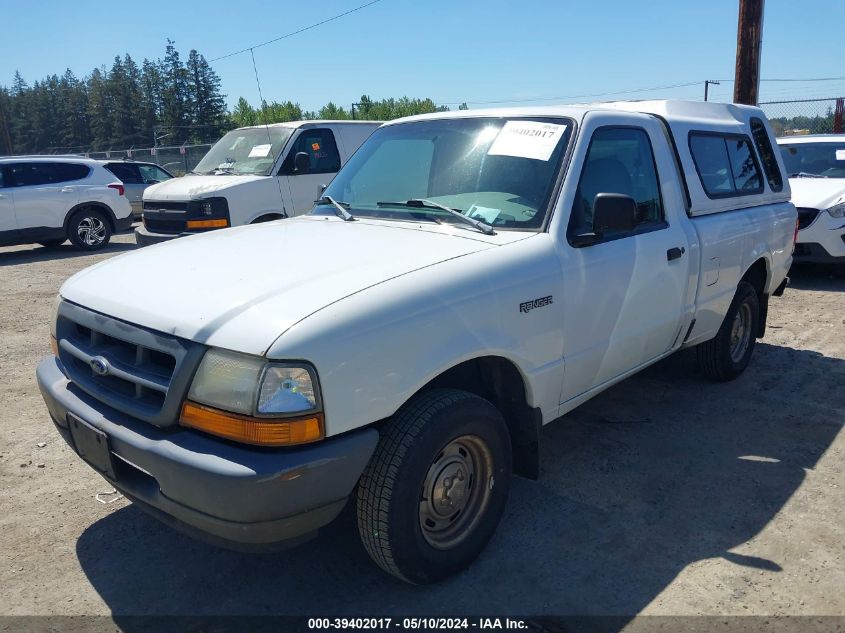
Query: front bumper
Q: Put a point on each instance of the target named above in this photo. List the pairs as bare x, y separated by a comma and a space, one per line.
823, 241
232, 495
144, 237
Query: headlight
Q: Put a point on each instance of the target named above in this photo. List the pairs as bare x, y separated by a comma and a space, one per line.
249, 399
837, 210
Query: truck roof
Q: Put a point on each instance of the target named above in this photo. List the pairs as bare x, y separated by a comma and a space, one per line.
299, 124
669, 109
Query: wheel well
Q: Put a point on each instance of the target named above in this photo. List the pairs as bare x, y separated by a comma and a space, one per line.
498, 380
757, 275
91, 205
267, 217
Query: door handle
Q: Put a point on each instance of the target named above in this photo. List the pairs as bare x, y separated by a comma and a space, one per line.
675, 253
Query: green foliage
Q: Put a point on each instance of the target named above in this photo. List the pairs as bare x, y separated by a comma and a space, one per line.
122, 106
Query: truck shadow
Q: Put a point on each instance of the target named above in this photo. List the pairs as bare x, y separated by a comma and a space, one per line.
826, 278
659, 472
38, 253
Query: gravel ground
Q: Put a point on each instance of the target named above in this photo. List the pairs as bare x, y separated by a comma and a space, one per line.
666, 495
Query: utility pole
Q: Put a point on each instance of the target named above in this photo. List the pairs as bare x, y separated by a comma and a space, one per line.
749, 40
707, 85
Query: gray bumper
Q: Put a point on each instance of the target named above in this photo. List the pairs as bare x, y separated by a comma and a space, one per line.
143, 237
122, 225
230, 494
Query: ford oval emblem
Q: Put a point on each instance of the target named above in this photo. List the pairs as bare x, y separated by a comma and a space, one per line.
99, 365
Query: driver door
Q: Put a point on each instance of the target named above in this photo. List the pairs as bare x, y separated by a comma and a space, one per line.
304, 186
627, 299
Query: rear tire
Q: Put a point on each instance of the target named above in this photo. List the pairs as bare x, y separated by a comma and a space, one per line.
436, 487
89, 229
726, 356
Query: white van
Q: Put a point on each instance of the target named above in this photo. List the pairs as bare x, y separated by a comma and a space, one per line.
252, 174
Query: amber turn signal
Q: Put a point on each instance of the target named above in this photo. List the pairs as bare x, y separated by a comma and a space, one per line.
249, 430
207, 224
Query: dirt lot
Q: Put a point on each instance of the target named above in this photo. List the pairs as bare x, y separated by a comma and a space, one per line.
666, 495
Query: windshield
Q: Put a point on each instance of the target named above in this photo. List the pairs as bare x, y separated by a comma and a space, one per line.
498, 171
245, 151
815, 159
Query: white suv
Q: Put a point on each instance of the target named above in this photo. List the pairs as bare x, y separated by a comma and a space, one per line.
50, 199
816, 168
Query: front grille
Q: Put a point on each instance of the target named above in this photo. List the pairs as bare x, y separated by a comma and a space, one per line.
164, 205
137, 371
806, 216
164, 224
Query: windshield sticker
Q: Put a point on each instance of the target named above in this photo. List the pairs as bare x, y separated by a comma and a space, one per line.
259, 151
527, 139
840, 154
226, 165
485, 214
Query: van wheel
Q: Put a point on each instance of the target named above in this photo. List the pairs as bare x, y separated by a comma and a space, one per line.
435, 489
89, 230
727, 355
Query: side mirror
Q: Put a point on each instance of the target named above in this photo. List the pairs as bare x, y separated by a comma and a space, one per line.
320, 191
612, 212
301, 163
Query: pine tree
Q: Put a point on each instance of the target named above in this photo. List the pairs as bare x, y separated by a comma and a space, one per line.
208, 107
174, 95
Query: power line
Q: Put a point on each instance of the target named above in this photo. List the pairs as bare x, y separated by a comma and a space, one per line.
297, 32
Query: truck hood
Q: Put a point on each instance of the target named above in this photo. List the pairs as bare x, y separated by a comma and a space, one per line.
241, 288
817, 193
190, 186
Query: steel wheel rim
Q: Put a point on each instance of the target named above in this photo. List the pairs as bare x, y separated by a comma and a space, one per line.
740, 332
456, 491
91, 230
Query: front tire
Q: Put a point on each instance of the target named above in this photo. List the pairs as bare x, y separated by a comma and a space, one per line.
89, 230
726, 356
436, 487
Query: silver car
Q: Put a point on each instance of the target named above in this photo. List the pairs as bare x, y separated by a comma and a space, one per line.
136, 177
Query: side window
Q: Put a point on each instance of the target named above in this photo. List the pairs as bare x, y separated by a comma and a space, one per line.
30, 174
125, 172
726, 164
767, 154
65, 172
619, 160
321, 148
151, 174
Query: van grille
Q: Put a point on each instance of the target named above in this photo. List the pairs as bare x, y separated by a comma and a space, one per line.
806, 216
132, 369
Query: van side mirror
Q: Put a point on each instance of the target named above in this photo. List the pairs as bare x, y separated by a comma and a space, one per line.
301, 163
612, 212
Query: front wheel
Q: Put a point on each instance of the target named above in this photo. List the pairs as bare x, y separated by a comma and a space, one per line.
435, 489
89, 230
726, 356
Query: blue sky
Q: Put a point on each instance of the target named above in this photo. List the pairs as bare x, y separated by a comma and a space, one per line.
450, 50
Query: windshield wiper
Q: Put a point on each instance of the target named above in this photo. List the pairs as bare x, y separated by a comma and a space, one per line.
339, 210
804, 174
423, 203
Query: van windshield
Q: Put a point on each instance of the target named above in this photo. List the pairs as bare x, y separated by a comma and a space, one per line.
245, 151
496, 170
826, 160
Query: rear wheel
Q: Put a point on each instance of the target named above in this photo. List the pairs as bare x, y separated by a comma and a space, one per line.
435, 489
89, 230
726, 356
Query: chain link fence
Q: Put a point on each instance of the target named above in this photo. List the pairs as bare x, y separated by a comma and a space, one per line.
805, 116
177, 159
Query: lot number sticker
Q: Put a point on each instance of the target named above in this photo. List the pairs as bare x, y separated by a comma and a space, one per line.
259, 151
840, 154
527, 139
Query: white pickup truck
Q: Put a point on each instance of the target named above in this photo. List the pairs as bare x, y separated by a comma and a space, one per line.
467, 278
